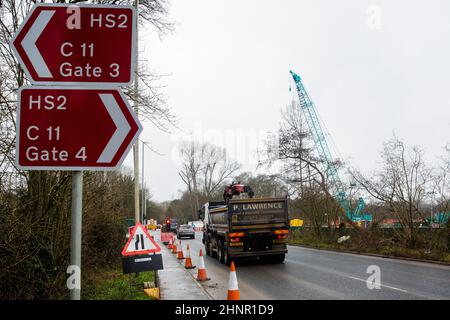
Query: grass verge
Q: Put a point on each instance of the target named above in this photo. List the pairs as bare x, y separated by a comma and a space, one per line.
391, 251
112, 284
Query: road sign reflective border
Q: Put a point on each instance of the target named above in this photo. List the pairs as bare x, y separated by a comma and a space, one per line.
131, 238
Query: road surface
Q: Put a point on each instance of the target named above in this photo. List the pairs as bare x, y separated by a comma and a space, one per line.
317, 274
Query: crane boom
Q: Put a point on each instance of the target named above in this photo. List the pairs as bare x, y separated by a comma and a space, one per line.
324, 151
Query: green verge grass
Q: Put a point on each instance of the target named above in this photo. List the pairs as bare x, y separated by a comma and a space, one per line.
111, 284
309, 240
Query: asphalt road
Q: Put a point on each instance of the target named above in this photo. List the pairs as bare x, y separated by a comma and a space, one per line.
317, 274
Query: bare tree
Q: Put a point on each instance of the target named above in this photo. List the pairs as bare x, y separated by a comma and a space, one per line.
400, 184
441, 183
301, 169
204, 169
190, 171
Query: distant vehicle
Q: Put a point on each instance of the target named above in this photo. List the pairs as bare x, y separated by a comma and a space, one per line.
186, 230
198, 225
173, 225
246, 227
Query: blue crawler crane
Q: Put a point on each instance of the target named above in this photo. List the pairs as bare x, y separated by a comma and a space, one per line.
331, 172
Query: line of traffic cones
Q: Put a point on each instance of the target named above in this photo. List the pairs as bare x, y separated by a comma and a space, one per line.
233, 288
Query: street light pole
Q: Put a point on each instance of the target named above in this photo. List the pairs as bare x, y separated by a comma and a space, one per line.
136, 110
142, 184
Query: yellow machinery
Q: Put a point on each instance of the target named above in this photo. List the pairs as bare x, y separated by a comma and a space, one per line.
152, 225
296, 223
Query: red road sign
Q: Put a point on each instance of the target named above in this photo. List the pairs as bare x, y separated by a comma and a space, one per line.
66, 128
140, 242
76, 44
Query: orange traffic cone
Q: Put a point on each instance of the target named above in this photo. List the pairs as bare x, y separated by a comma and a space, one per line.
233, 290
170, 243
180, 252
201, 274
174, 248
188, 262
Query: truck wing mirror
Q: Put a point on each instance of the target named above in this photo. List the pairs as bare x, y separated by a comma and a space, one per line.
200, 215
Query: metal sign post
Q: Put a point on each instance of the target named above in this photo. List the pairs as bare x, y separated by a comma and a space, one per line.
143, 186
136, 110
75, 230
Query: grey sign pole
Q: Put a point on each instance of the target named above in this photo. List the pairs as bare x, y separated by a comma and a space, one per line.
75, 231
144, 204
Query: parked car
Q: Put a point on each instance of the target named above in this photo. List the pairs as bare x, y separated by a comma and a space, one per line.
186, 230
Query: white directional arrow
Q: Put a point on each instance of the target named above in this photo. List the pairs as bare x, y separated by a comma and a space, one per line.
122, 128
29, 43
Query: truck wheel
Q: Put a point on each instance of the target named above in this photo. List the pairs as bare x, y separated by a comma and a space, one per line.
213, 254
279, 258
220, 251
226, 257
208, 247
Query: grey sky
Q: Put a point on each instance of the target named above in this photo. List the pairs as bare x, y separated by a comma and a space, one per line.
229, 62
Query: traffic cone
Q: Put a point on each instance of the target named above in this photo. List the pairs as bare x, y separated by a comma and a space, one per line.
233, 290
201, 274
188, 262
174, 248
170, 243
180, 252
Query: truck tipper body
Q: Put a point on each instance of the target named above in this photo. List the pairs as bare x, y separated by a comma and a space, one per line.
246, 227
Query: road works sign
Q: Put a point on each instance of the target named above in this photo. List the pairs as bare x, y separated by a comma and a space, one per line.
76, 44
140, 242
65, 128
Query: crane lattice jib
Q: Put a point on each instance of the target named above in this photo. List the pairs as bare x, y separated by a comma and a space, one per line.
322, 147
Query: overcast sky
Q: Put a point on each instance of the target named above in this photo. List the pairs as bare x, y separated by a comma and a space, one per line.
371, 67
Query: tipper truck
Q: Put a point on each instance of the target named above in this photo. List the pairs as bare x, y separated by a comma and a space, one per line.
246, 227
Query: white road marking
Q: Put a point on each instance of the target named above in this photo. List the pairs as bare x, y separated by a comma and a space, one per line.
383, 285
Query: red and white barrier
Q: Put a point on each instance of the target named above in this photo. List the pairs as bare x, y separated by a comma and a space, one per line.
166, 236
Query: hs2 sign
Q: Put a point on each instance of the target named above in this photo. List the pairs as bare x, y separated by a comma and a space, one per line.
77, 44
71, 128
